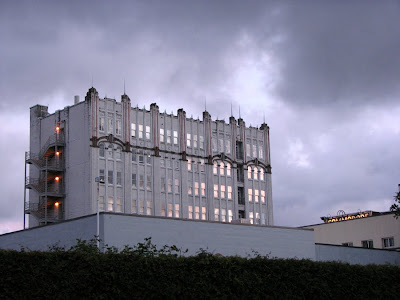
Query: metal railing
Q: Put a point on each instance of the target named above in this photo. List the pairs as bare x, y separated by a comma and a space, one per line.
55, 163
55, 139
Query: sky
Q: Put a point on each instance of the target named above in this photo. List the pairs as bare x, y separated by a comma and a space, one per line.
325, 76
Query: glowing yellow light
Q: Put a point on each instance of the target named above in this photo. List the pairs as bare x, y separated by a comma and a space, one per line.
58, 153
57, 178
57, 204
57, 128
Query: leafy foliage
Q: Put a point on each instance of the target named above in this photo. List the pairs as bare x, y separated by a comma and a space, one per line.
396, 205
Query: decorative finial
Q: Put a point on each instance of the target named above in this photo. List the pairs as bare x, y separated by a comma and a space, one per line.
124, 86
205, 104
231, 110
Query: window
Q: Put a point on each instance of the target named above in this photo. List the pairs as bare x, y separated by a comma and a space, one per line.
216, 214
141, 181
133, 130
190, 212
140, 131
170, 210
163, 183
368, 244
134, 206
110, 128
228, 169
229, 192
110, 204
255, 173
254, 150
134, 157
148, 208
101, 124
110, 151
249, 172
101, 203
221, 168
148, 159
110, 177
119, 178
222, 191
223, 215
256, 193
118, 130
163, 209
168, 136
258, 221
204, 213
101, 175
388, 242
148, 132
248, 154
195, 141
169, 185
161, 135
214, 144
221, 145
141, 207
148, 183
162, 163
201, 142
175, 137
101, 150
228, 146
188, 140
141, 156
202, 166
176, 210
203, 188
118, 207
215, 190
177, 186
348, 244
260, 151
250, 191
134, 181
189, 165
230, 215
215, 170
196, 188
261, 174
118, 152
190, 188
251, 216
262, 196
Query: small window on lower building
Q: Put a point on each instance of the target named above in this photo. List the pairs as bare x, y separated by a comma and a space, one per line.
367, 244
388, 242
348, 244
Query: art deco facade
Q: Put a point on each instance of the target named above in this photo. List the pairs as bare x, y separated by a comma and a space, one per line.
146, 162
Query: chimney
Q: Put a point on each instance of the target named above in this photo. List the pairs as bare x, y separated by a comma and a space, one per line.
76, 99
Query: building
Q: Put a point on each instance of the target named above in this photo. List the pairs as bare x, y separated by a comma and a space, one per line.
136, 161
368, 229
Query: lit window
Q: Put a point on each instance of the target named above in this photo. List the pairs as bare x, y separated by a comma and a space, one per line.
215, 168
176, 186
190, 212
388, 242
204, 213
110, 204
189, 165
141, 207
195, 141
230, 215
119, 178
141, 181
101, 203
148, 208
223, 215
251, 217
140, 131
250, 191
190, 188
197, 215
249, 172
134, 206
222, 191
255, 173
221, 168
110, 128
262, 196
176, 210
258, 218
169, 185
133, 130
168, 136
203, 189
216, 214
118, 207
148, 183
101, 175
134, 182
101, 150
261, 174
110, 177
229, 192
188, 140
256, 193
215, 190
161, 135
170, 210
163, 209
228, 169
175, 137
148, 132
118, 130
201, 142
196, 188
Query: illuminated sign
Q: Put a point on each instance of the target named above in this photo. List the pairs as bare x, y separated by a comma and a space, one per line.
348, 217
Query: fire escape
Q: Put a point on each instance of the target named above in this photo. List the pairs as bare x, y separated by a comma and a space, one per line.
49, 186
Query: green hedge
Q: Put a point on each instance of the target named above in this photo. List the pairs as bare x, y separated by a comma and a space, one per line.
80, 275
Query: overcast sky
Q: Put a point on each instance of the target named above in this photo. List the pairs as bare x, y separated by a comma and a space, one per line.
325, 74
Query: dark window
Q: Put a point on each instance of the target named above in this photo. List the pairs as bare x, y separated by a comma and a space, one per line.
241, 195
367, 244
241, 214
239, 150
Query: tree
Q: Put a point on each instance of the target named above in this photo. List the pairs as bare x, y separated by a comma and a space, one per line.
396, 205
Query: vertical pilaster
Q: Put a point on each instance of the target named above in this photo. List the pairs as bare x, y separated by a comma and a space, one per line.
182, 131
126, 114
92, 98
208, 136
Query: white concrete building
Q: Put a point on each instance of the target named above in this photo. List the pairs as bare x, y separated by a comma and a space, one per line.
147, 163
366, 229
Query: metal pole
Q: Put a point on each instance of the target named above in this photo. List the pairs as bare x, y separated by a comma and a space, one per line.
45, 197
25, 188
98, 214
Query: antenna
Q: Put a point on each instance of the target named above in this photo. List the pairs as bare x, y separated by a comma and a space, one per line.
231, 110
264, 118
205, 104
124, 86
239, 112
